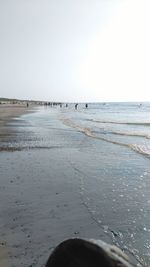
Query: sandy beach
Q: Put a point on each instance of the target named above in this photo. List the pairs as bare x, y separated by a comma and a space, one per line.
60, 184
8, 112
40, 206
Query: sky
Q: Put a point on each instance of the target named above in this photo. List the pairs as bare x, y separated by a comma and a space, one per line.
75, 50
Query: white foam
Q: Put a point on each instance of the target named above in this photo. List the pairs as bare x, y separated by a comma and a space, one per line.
143, 149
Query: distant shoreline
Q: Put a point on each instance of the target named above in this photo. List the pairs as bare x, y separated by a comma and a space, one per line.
9, 111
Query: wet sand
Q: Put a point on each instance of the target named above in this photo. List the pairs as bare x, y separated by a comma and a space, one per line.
8, 112
41, 201
58, 186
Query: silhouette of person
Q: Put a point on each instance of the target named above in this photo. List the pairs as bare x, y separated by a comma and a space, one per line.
76, 106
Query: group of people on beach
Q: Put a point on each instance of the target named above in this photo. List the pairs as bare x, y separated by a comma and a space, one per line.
61, 105
76, 106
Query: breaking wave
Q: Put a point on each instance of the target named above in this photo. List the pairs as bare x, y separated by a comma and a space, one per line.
120, 122
147, 136
142, 149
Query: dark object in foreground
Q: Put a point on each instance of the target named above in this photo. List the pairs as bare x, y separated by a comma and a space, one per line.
87, 253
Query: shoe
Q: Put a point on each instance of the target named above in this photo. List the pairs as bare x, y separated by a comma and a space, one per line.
87, 253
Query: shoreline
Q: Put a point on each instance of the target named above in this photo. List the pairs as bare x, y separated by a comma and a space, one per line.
76, 187
8, 113
42, 204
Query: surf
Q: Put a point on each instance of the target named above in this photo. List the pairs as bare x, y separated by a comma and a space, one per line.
141, 149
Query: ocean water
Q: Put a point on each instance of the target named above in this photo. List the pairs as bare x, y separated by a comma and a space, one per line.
125, 124
122, 135
113, 140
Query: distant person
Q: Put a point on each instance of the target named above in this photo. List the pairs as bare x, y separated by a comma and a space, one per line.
76, 106
66, 105
27, 104
86, 105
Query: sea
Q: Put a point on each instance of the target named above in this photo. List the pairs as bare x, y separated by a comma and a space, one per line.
124, 124
123, 132
115, 185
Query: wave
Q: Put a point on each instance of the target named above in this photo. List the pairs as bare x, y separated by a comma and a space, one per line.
129, 134
136, 134
120, 122
142, 149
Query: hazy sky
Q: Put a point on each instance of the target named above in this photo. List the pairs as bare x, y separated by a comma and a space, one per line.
75, 50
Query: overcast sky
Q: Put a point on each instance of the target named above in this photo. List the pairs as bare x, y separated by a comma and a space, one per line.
75, 50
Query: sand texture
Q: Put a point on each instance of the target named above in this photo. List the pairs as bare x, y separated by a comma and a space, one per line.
58, 185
